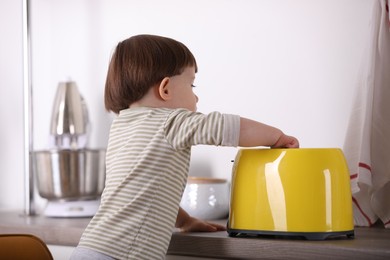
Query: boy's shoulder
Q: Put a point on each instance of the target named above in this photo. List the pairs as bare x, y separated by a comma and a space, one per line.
141, 113
149, 110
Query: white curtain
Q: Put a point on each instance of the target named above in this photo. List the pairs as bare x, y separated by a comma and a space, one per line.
367, 144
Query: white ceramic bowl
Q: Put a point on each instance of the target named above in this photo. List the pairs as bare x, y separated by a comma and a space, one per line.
206, 198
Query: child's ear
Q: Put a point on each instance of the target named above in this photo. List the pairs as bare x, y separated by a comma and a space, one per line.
164, 89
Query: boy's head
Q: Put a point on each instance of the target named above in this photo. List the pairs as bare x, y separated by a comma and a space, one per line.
139, 63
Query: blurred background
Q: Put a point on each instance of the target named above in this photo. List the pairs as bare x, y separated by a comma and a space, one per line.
292, 64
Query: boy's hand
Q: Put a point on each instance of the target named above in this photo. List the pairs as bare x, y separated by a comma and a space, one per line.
186, 223
286, 141
197, 225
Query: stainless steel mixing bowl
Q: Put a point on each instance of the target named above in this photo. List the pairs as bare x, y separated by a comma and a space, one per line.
69, 174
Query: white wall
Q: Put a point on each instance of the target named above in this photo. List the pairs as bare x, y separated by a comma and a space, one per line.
11, 105
289, 63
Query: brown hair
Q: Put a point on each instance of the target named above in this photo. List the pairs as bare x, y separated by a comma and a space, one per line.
140, 62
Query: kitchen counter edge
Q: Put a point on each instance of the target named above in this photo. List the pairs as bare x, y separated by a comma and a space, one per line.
369, 243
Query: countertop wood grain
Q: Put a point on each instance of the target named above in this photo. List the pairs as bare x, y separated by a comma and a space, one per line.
369, 243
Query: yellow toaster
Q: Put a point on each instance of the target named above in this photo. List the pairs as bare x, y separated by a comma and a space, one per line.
302, 192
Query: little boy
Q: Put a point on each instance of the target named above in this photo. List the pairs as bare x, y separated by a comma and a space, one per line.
150, 86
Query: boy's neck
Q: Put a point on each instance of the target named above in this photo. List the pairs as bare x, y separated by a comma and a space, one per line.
151, 99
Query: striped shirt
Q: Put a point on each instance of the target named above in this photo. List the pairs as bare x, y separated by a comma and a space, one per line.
147, 164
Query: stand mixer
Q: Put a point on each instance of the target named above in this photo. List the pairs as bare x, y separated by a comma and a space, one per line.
70, 175
69, 121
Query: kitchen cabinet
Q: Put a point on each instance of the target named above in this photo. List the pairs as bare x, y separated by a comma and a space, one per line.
64, 252
61, 252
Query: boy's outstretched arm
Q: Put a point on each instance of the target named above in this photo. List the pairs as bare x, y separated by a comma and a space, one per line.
253, 133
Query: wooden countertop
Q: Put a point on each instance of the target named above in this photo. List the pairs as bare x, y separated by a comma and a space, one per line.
369, 243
